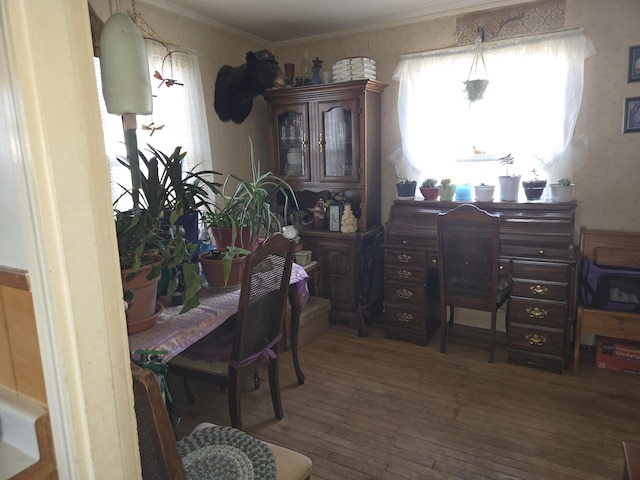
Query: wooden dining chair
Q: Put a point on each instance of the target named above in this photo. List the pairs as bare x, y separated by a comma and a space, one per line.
469, 246
162, 457
227, 354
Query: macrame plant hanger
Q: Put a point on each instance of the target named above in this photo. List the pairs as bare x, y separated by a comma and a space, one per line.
475, 87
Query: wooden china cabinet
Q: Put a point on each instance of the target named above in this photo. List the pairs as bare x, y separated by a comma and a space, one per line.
326, 140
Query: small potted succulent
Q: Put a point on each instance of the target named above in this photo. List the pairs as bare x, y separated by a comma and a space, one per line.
446, 189
562, 191
509, 184
429, 189
533, 188
406, 188
484, 192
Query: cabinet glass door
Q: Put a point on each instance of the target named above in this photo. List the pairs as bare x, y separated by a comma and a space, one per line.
338, 145
292, 144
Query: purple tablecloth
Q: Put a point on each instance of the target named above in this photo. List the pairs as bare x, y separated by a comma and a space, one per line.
174, 332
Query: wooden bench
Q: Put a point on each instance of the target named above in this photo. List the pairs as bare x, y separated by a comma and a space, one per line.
605, 247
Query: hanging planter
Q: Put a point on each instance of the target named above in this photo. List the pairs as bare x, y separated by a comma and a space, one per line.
474, 87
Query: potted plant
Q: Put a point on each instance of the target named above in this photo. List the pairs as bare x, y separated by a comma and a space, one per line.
562, 191
483, 192
242, 212
406, 188
429, 189
153, 232
509, 184
147, 244
533, 188
446, 189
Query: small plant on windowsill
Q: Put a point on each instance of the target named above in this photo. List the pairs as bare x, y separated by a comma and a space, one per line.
509, 184
429, 189
446, 189
534, 187
562, 191
405, 188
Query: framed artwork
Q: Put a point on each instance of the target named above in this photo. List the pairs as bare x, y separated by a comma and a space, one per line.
335, 214
634, 64
631, 115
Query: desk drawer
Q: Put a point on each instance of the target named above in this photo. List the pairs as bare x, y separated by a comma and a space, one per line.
405, 318
539, 290
404, 294
546, 271
406, 274
537, 312
404, 258
549, 341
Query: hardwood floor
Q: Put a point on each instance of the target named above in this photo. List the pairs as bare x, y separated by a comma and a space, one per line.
373, 408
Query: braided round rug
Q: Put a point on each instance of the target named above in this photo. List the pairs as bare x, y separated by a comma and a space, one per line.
225, 453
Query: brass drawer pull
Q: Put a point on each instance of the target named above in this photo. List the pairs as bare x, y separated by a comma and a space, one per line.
536, 312
404, 317
535, 339
541, 251
434, 261
538, 289
404, 294
404, 258
405, 242
404, 273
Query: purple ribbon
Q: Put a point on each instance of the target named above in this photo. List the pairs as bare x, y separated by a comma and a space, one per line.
266, 355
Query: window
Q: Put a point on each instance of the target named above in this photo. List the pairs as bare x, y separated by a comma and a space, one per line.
529, 109
178, 119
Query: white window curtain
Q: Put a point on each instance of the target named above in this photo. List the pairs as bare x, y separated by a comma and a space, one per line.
178, 119
529, 108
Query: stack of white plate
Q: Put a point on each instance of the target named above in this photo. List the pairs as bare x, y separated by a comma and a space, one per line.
354, 68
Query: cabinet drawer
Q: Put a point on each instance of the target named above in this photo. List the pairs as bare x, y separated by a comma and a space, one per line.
404, 294
551, 272
406, 274
404, 318
539, 290
548, 341
405, 257
537, 312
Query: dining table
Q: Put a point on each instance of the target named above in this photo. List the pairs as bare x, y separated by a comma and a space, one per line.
175, 332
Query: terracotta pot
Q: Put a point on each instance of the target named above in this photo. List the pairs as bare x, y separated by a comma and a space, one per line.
143, 304
222, 238
214, 271
429, 193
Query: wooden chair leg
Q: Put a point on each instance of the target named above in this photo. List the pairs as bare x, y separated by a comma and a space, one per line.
443, 326
492, 339
274, 387
187, 391
234, 399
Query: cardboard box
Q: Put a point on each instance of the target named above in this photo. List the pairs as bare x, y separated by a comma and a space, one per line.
618, 355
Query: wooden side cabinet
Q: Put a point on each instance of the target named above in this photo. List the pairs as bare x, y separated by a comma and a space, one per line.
325, 139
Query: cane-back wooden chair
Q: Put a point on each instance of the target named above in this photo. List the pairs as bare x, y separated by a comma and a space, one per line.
468, 259
226, 356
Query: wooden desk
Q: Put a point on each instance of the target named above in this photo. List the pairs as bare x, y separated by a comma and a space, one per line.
536, 250
175, 332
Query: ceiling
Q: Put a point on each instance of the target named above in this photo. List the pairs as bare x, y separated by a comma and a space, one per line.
286, 21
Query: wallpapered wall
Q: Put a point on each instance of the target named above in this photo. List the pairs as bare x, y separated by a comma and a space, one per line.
606, 185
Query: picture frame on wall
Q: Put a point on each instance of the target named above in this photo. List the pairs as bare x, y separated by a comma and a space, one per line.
634, 64
335, 217
631, 115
